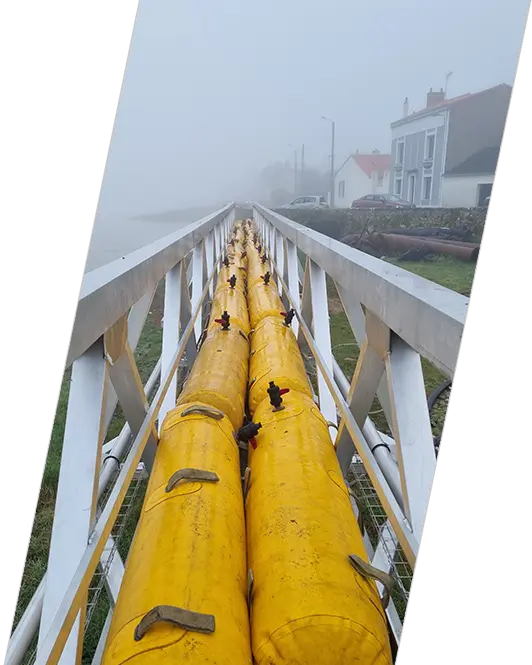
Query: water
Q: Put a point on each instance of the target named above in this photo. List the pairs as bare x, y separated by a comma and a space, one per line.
113, 238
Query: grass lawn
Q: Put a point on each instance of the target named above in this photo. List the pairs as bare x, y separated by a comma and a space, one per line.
448, 272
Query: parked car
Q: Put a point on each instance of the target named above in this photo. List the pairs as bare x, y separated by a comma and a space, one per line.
377, 201
308, 202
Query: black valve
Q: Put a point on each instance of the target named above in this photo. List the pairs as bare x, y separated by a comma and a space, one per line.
288, 316
226, 261
223, 321
259, 249
247, 433
266, 278
232, 242
232, 281
264, 258
275, 394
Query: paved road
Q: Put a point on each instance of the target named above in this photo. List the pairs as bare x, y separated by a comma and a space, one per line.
113, 238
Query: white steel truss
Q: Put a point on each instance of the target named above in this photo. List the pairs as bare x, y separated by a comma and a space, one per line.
396, 318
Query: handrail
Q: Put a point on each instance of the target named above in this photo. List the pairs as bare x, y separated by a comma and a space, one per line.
429, 317
108, 292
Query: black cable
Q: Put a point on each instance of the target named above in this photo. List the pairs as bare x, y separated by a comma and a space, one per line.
431, 400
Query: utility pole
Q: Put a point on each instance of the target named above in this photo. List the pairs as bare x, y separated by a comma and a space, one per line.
332, 159
295, 173
302, 176
295, 168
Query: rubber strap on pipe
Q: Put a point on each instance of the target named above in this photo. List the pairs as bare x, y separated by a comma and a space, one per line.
247, 480
195, 475
251, 579
177, 616
203, 411
370, 572
360, 516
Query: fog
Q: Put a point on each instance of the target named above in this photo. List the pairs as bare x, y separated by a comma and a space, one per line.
215, 91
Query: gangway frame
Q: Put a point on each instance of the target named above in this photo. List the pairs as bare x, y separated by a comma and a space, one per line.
396, 318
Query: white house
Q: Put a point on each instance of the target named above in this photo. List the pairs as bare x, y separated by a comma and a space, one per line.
429, 144
359, 175
469, 183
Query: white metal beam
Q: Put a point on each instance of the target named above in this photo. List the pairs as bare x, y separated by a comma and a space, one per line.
77, 491
172, 311
412, 430
322, 335
130, 391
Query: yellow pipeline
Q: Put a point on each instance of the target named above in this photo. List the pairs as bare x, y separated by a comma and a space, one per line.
219, 374
183, 597
275, 356
188, 553
308, 604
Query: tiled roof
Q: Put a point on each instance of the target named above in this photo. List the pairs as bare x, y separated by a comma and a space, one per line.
443, 105
373, 163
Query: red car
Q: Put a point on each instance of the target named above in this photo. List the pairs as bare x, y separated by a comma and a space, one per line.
379, 201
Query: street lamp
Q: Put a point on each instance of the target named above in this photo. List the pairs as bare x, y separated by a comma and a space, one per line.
332, 159
295, 168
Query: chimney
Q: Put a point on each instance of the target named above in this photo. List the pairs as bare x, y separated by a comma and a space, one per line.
405, 107
435, 98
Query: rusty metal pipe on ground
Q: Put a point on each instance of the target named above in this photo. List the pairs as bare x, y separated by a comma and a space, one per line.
400, 242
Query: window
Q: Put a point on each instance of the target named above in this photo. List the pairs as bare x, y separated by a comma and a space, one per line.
398, 186
341, 189
427, 187
430, 143
401, 152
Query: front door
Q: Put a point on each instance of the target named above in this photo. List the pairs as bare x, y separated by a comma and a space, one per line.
484, 190
411, 187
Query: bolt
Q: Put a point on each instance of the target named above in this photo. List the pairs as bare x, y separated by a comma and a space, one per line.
232, 281
266, 277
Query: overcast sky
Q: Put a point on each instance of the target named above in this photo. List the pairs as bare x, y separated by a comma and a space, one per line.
216, 90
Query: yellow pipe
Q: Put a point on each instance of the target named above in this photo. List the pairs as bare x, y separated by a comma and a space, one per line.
275, 356
308, 604
183, 597
188, 553
234, 303
264, 301
220, 373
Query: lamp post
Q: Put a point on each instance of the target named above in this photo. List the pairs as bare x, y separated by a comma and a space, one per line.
332, 159
295, 168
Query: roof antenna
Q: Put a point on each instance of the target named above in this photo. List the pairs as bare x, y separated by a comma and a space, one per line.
447, 77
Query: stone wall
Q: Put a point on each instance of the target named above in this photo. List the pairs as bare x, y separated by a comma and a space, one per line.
342, 222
